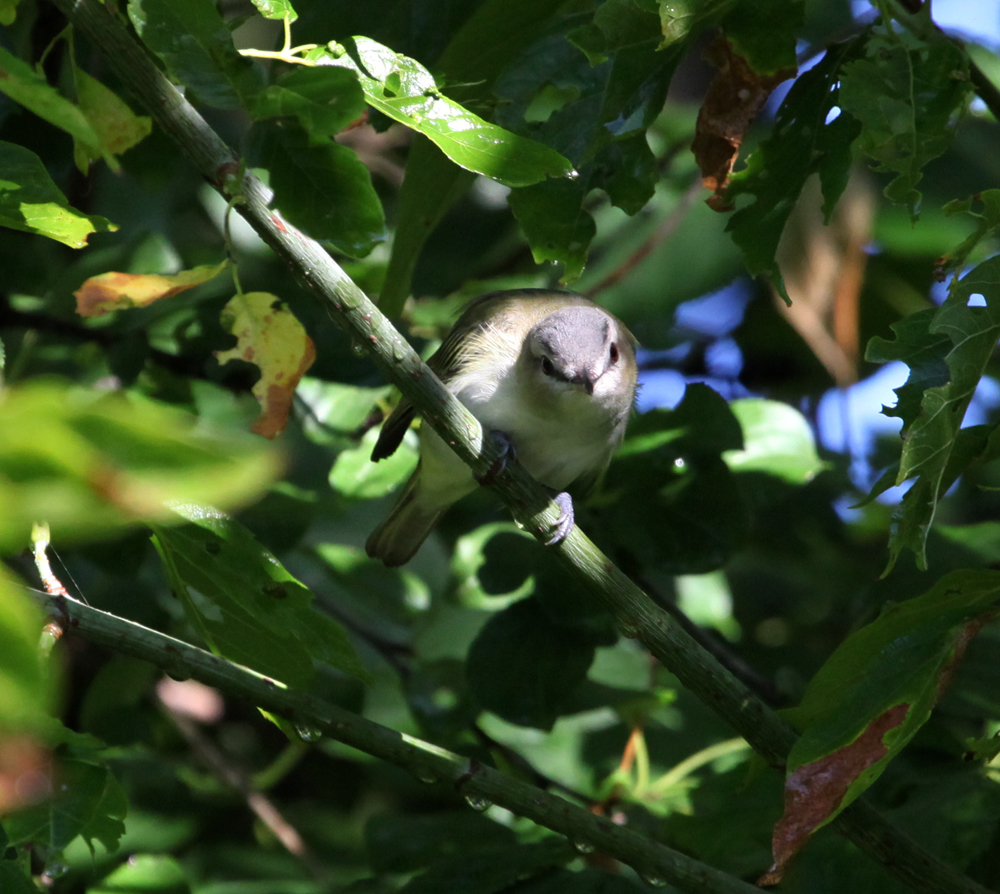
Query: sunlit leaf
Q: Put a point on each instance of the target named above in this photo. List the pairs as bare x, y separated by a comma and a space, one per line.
325, 100
269, 336
106, 292
405, 91
31, 202
777, 440
92, 464
276, 9
118, 127
355, 475
26, 86
145, 874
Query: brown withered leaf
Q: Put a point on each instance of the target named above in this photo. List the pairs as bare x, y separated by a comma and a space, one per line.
814, 791
735, 96
102, 294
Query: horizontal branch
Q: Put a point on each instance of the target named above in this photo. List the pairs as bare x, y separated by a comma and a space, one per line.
469, 778
635, 613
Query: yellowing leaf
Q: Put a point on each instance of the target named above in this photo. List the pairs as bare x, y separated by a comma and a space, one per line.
115, 291
115, 123
269, 336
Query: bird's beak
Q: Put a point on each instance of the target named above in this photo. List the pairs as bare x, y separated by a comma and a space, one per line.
586, 379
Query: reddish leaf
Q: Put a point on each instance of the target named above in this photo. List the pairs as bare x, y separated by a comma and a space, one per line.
813, 792
115, 291
736, 95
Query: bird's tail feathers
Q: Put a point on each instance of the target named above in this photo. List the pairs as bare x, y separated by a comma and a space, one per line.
395, 541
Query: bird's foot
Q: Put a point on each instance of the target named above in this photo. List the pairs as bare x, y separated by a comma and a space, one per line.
564, 524
500, 463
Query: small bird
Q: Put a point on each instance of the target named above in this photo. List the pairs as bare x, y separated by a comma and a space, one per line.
550, 373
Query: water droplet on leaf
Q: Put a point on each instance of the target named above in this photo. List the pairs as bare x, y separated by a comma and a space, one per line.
478, 804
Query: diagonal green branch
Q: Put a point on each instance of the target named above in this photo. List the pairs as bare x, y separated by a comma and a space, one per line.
468, 777
635, 613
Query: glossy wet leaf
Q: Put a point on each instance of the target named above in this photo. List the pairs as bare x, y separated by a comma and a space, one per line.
402, 89
325, 100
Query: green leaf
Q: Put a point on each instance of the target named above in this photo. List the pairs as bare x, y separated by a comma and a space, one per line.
8, 12
486, 44
764, 33
908, 95
86, 801
934, 448
524, 667
319, 185
600, 127
777, 440
490, 872
31, 202
94, 463
29, 88
405, 843
589, 881
117, 126
25, 688
803, 143
325, 100
693, 517
244, 603
987, 224
617, 25
197, 49
12, 878
355, 475
402, 89
873, 694
145, 874
276, 9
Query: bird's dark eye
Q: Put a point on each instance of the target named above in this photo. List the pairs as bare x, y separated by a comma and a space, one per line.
547, 367
614, 352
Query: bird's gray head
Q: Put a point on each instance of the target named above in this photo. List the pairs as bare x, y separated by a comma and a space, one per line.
576, 346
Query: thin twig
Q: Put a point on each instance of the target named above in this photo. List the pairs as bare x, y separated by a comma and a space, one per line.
663, 232
262, 806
